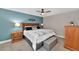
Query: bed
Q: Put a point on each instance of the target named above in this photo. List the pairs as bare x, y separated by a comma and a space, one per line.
35, 37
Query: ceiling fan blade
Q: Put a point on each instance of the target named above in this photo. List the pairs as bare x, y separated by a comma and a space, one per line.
47, 11
38, 11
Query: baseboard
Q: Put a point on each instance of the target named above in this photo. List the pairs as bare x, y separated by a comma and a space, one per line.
60, 36
5, 41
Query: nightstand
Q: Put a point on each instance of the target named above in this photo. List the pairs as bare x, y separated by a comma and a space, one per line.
17, 36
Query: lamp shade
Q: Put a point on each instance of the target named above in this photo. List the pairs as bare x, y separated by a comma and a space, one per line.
41, 24
17, 24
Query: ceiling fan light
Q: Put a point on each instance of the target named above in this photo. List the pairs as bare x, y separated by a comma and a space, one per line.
42, 13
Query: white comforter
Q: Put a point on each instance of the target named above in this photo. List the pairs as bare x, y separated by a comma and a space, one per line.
39, 35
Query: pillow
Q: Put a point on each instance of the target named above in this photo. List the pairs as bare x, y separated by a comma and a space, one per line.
38, 27
28, 28
34, 27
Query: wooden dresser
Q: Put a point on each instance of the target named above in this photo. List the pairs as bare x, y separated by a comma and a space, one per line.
16, 36
72, 37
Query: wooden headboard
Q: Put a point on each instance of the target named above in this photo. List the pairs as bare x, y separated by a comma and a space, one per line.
29, 24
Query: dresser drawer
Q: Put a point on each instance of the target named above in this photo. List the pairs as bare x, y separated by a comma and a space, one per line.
16, 39
15, 36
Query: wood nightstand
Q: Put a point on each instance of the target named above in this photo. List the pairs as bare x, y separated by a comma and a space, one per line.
17, 36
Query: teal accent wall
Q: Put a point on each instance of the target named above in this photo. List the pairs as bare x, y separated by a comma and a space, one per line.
9, 18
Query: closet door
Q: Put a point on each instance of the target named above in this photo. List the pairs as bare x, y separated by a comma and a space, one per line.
69, 37
76, 39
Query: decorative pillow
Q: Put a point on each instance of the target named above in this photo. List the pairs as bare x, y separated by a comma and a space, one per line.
38, 27
28, 28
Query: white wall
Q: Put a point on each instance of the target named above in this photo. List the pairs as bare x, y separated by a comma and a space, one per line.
57, 22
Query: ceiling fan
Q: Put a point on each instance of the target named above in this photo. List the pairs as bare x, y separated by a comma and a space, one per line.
42, 11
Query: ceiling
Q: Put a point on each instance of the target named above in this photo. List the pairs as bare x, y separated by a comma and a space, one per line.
32, 11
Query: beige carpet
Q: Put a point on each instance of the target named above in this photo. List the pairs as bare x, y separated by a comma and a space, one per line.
24, 46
